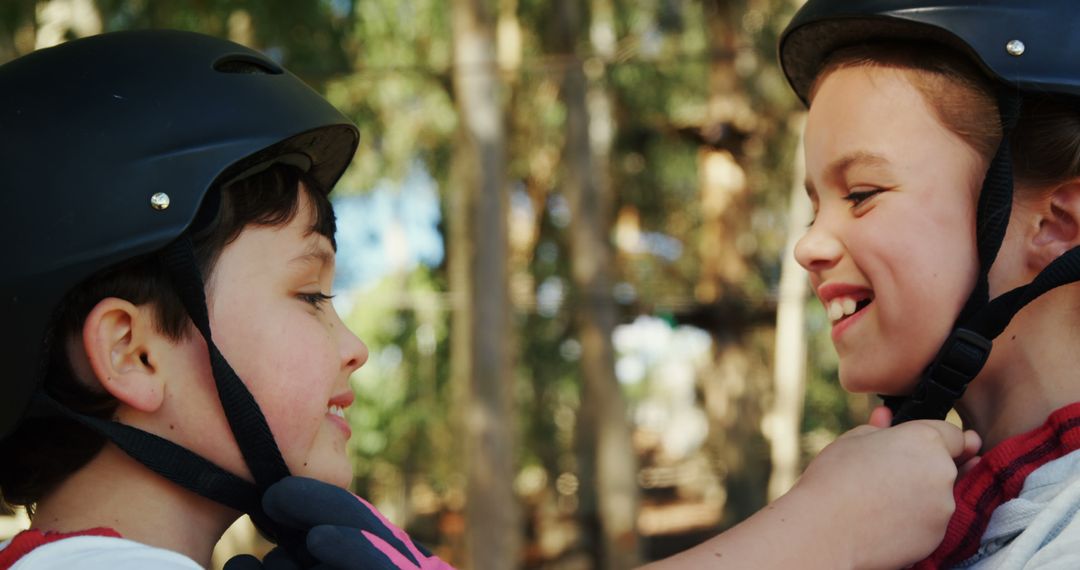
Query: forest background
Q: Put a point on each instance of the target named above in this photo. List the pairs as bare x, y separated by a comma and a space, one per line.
566, 240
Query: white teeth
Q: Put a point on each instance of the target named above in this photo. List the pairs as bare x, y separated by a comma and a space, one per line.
836, 311
841, 307
337, 411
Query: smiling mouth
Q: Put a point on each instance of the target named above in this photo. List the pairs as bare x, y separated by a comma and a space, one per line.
842, 308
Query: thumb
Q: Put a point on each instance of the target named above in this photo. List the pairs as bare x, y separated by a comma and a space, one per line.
881, 417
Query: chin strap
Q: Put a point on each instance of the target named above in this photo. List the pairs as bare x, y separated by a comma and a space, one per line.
968, 347
246, 420
957, 363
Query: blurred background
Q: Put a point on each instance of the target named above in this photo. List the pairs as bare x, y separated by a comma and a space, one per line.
566, 240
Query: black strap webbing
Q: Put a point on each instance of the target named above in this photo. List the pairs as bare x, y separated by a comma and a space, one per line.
246, 420
165, 458
992, 320
995, 205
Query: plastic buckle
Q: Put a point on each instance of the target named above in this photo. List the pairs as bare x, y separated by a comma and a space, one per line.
958, 362
961, 358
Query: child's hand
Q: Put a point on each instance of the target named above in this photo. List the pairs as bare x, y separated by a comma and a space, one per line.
881, 417
344, 531
885, 493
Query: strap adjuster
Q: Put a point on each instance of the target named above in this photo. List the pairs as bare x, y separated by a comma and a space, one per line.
958, 362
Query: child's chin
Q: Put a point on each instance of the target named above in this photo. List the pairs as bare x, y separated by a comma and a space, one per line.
872, 384
860, 383
337, 472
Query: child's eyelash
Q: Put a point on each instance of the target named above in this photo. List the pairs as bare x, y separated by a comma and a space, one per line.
315, 299
856, 198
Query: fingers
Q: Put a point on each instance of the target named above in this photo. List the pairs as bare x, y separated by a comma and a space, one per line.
972, 442
949, 435
970, 456
858, 431
881, 417
968, 466
341, 547
302, 503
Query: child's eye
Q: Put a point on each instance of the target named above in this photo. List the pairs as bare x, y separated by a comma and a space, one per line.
316, 300
858, 197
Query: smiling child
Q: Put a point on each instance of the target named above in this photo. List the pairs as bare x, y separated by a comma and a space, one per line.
943, 162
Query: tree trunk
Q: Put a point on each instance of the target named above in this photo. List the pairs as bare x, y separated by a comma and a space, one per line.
789, 365
607, 466
478, 273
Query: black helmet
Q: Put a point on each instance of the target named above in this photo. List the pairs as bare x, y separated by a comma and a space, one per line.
109, 147
95, 129
1023, 47
1030, 45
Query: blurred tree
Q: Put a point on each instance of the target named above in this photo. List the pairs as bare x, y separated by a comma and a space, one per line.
607, 466
478, 277
784, 419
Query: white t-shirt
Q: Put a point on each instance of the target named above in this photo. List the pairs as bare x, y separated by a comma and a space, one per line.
101, 553
1039, 529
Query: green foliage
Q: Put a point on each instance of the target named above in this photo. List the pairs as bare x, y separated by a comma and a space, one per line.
309, 37
400, 418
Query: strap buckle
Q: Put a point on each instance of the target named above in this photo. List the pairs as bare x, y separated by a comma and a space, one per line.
958, 362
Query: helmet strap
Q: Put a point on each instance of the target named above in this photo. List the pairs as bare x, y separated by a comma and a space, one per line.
967, 348
175, 463
246, 420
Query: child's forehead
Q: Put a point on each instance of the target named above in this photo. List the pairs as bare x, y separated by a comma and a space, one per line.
317, 249
294, 245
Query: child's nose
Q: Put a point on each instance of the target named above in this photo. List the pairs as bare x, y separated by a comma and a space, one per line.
818, 249
354, 353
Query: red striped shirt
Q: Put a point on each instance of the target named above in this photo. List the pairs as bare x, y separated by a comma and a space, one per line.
28, 540
998, 478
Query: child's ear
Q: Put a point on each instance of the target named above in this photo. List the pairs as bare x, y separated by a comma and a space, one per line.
121, 344
1059, 225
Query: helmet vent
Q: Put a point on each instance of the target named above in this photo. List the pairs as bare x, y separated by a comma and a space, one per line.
246, 65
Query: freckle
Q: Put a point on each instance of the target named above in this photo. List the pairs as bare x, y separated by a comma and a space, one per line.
172, 426
718, 554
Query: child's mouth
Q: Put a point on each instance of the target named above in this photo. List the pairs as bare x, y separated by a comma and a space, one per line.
841, 308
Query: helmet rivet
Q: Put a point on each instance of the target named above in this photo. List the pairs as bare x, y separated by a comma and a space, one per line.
1015, 48
159, 201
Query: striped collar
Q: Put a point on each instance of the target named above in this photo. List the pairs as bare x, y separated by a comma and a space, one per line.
998, 478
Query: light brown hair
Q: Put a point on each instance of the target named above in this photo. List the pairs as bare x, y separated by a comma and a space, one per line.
1045, 142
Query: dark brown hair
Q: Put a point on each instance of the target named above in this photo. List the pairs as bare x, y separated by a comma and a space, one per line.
42, 452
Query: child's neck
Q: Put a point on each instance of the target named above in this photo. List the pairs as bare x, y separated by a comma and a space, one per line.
1032, 371
117, 492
